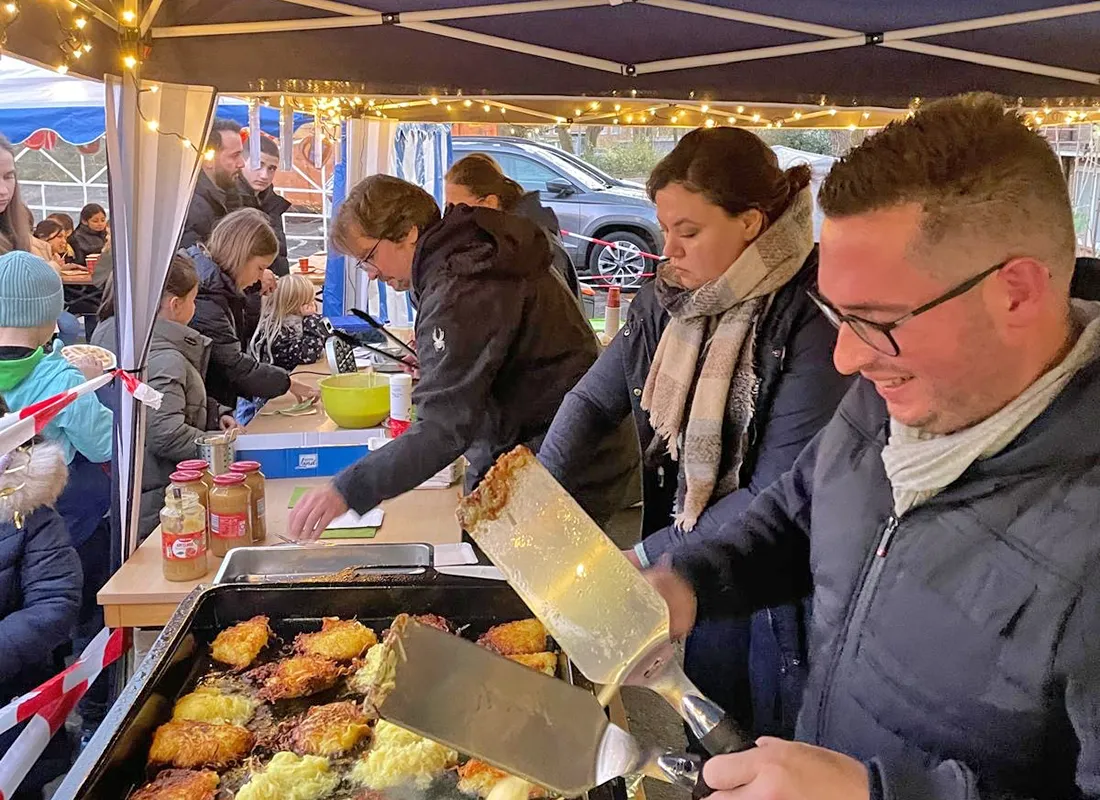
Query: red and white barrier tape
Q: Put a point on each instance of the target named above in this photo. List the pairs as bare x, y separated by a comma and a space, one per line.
48, 719
19, 427
105, 648
605, 243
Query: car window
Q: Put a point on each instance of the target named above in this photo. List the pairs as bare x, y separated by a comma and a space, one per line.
528, 173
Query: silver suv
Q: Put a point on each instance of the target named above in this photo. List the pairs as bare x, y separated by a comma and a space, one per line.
587, 202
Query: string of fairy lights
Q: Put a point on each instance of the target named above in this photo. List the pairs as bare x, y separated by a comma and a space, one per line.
329, 110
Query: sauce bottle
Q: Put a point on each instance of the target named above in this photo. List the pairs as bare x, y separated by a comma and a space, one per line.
254, 480
201, 466
182, 536
230, 514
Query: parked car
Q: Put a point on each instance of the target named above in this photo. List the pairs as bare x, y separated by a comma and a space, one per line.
587, 202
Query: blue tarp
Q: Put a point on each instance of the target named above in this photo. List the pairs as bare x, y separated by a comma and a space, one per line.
84, 124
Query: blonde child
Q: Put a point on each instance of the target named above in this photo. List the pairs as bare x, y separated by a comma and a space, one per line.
291, 333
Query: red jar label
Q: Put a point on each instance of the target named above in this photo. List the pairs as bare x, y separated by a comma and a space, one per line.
229, 526
183, 546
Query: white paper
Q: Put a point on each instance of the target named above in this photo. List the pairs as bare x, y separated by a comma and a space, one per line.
372, 519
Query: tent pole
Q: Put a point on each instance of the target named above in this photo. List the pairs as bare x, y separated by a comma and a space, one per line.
498, 10
733, 15
525, 48
150, 16
981, 23
1000, 62
274, 26
716, 59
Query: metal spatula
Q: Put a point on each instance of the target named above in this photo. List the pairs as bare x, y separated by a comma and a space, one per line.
523, 722
613, 625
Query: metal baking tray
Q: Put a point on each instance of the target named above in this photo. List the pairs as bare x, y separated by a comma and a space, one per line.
287, 563
113, 763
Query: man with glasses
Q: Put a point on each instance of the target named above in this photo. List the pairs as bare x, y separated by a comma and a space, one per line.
947, 519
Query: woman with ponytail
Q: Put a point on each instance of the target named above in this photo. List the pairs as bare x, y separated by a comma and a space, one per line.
725, 365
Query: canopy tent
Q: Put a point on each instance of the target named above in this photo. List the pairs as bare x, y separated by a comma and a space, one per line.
35, 99
683, 62
540, 60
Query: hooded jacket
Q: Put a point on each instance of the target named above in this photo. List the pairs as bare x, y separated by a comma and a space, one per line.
40, 591
176, 365
40, 579
85, 426
500, 342
955, 649
532, 208
208, 205
86, 242
219, 315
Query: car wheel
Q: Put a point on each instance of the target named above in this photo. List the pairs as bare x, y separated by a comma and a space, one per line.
621, 264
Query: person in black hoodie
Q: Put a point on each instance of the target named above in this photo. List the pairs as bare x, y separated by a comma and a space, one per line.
256, 188
500, 341
477, 180
216, 193
241, 247
90, 236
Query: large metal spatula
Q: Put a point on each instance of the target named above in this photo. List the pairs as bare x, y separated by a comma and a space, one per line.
600, 609
523, 722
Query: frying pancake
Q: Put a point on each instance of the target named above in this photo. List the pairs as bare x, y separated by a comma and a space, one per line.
180, 784
210, 704
238, 646
298, 676
288, 775
476, 778
192, 744
525, 637
338, 640
546, 663
330, 730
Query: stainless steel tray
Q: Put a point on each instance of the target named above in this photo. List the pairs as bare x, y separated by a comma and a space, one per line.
290, 564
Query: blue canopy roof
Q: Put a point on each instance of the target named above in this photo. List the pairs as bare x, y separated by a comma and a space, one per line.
33, 98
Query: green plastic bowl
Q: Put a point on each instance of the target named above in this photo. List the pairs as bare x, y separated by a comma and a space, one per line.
356, 401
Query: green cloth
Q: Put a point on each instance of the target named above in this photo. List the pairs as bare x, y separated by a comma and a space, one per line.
342, 533
14, 372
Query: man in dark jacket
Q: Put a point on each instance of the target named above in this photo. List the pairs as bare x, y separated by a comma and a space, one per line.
256, 188
499, 340
945, 518
216, 192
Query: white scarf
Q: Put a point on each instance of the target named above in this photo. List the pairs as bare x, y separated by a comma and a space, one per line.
921, 465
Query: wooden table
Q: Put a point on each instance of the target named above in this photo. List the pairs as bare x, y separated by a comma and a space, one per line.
139, 596
82, 296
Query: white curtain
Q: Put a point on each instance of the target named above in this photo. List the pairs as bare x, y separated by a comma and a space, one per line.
151, 176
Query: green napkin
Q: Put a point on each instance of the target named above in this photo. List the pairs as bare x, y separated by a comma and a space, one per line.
341, 533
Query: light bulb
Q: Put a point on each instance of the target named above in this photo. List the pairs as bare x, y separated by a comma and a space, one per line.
705, 108
11, 8
709, 123
740, 109
755, 117
129, 62
798, 115
128, 17
832, 112
80, 22
208, 155
434, 101
186, 142
62, 69
486, 108
467, 103
153, 124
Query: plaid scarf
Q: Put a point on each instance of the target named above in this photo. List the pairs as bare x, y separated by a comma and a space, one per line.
722, 389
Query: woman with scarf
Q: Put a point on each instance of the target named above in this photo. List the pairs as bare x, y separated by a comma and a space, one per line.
726, 367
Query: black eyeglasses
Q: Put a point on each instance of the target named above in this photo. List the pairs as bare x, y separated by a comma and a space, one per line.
365, 262
879, 335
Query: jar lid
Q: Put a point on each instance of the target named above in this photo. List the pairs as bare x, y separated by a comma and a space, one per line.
195, 464
185, 476
228, 479
245, 466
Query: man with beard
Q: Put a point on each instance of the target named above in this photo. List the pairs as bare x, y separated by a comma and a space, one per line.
216, 192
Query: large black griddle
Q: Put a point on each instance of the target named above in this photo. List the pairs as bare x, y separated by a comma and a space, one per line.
113, 764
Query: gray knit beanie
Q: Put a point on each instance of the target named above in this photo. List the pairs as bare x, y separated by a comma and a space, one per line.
31, 293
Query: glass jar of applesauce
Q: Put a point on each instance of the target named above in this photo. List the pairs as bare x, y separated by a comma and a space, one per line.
198, 465
254, 480
230, 514
182, 536
192, 482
